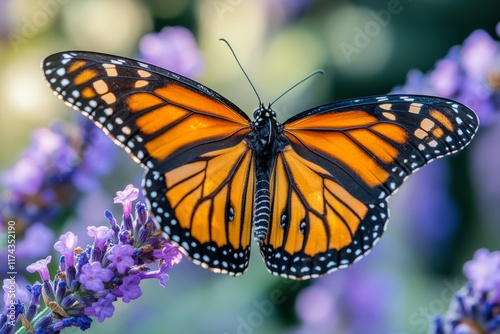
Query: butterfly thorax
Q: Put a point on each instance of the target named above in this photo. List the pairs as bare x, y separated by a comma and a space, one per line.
266, 140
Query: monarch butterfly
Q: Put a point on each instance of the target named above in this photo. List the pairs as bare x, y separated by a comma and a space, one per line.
314, 188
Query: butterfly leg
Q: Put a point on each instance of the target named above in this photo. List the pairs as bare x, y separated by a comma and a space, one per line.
262, 210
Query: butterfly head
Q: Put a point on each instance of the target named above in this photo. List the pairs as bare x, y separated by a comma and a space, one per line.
264, 114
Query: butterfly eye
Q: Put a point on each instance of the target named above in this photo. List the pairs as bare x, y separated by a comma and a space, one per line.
257, 112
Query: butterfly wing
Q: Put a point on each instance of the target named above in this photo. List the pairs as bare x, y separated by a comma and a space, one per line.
330, 185
161, 118
191, 140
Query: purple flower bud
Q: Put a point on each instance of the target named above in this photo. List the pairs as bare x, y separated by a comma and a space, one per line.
48, 290
43, 322
83, 322
142, 235
62, 263
70, 276
83, 258
125, 237
142, 213
113, 224
96, 255
68, 301
111, 219
36, 291
128, 224
60, 291
3, 321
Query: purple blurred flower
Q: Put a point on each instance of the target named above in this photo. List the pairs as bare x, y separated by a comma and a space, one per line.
479, 53
476, 307
173, 48
445, 79
37, 240
26, 177
483, 271
317, 309
43, 181
283, 10
465, 74
98, 157
351, 301
430, 188
41, 267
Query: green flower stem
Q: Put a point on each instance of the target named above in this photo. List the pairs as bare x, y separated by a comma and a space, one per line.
40, 315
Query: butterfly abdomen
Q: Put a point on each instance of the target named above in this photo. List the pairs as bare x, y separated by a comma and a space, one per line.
262, 209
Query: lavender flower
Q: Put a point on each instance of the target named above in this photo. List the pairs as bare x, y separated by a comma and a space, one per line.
88, 285
59, 164
476, 307
173, 48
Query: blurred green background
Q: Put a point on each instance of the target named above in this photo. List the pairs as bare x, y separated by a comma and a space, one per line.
277, 42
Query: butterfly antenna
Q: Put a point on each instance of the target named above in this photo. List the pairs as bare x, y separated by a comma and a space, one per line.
296, 84
241, 67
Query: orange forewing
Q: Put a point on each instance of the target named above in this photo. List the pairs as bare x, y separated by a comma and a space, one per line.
353, 138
